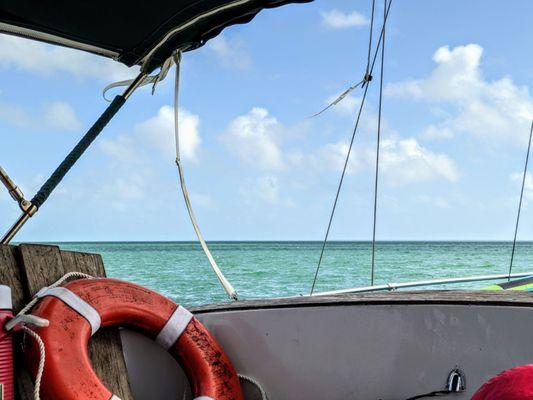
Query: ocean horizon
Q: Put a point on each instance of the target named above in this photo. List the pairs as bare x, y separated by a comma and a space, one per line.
269, 269
58, 242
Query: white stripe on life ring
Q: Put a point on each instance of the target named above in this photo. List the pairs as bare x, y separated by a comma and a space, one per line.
203, 398
115, 397
76, 303
173, 329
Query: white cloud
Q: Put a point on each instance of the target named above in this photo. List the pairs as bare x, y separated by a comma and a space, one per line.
254, 138
132, 156
44, 59
334, 156
122, 149
406, 161
479, 106
15, 115
61, 115
158, 131
57, 115
402, 161
230, 52
437, 133
336, 19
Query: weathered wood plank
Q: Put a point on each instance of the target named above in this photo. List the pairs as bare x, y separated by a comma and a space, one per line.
42, 265
87, 263
10, 275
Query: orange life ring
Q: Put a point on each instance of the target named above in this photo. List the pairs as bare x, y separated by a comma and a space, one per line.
79, 308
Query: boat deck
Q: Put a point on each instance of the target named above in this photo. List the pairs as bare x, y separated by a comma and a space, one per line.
464, 297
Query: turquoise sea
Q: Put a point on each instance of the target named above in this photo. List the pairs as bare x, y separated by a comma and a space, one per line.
271, 269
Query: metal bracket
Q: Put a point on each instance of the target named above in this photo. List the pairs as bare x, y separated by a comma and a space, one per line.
15, 192
456, 381
28, 209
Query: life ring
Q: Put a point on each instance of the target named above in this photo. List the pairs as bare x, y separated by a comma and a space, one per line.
512, 384
79, 308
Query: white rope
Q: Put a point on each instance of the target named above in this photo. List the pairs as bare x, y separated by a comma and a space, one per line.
151, 79
257, 385
225, 283
42, 360
155, 79
57, 283
23, 319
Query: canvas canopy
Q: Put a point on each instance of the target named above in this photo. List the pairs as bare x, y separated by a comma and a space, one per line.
131, 32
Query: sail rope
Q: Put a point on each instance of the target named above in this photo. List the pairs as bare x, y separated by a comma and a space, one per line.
154, 79
223, 280
380, 111
520, 202
150, 79
366, 83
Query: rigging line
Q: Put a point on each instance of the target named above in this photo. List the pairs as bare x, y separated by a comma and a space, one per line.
339, 188
349, 152
366, 78
381, 36
339, 99
370, 38
520, 202
223, 280
380, 109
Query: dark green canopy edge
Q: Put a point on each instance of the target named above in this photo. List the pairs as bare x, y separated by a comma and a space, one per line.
128, 29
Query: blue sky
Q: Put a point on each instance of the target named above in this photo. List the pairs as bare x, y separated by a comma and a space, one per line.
457, 110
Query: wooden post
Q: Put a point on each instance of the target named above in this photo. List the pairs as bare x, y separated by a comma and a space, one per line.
28, 268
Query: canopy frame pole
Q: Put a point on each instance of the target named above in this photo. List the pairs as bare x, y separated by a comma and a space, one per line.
31, 207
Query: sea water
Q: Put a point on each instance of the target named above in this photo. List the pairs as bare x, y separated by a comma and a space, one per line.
181, 271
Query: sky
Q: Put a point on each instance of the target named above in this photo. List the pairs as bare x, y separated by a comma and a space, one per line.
456, 115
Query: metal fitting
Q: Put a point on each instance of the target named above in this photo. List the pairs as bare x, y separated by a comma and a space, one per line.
13, 189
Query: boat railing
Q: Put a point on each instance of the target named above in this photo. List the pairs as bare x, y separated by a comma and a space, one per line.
432, 282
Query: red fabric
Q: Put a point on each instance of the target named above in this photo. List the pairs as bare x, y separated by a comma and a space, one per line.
512, 384
68, 374
6, 357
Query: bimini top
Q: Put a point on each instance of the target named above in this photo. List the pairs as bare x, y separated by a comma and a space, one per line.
132, 32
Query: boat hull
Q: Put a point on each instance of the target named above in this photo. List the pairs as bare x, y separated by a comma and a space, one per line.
373, 346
